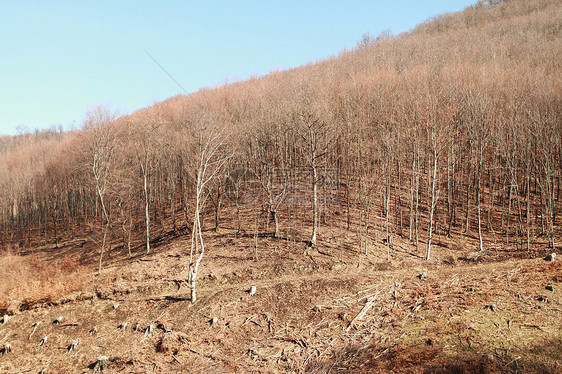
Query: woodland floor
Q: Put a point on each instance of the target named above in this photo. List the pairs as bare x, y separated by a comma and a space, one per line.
474, 312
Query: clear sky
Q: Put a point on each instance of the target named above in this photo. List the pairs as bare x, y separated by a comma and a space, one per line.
59, 58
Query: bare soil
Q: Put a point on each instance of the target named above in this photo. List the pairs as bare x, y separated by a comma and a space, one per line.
473, 312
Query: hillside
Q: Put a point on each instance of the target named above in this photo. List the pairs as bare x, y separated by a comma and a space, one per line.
331, 187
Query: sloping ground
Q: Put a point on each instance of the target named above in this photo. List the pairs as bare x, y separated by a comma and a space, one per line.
472, 313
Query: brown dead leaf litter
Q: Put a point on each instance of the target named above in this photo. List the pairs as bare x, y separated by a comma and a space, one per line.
318, 311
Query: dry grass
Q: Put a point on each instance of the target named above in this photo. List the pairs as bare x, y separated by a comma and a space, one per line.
30, 279
297, 321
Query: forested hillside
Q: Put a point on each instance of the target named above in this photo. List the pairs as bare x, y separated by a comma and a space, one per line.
454, 128
395, 208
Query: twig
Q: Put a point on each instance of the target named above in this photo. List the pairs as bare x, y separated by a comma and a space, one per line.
35, 325
512, 361
380, 354
368, 305
509, 273
178, 361
533, 326
356, 294
208, 355
255, 323
451, 280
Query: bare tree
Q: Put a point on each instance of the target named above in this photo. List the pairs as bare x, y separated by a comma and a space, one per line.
144, 129
317, 137
101, 138
435, 143
211, 155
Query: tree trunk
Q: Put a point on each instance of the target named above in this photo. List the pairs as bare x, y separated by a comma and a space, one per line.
55, 230
432, 206
387, 213
314, 204
528, 210
146, 209
275, 218
478, 185
217, 209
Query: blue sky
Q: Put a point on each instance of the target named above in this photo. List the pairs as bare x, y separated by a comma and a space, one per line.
59, 58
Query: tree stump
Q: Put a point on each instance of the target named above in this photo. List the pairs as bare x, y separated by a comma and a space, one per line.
72, 346
213, 321
101, 364
7, 348
43, 341
551, 257
252, 291
148, 330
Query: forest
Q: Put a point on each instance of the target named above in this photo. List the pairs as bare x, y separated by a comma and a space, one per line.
447, 137
452, 128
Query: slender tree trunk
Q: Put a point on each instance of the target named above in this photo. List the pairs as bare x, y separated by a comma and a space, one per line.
467, 217
217, 209
314, 203
417, 195
528, 210
492, 182
173, 207
387, 213
104, 226
450, 175
508, 213
412, 184
432, 205
146, 210
55, 230
197, 236
478, 186
275, 218
348, 204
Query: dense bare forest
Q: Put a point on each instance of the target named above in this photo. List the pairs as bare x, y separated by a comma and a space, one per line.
451, 129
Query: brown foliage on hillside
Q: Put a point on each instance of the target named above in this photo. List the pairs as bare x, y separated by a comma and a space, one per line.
452, 129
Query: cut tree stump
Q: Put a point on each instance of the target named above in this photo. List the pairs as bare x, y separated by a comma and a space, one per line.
72, 346
43, 341
551, 257
6, 349
148, 330
101, 364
